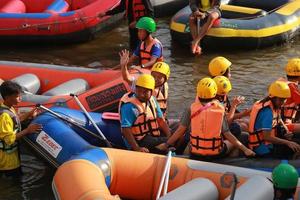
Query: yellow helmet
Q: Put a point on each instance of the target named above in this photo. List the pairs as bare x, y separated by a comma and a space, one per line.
279, 89
293, 67
162, 68
206, 88
218, 66
146, 81
223, 85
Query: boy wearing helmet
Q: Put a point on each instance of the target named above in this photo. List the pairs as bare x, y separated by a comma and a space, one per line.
141, 117
285, 181
150, 49
134, 10
207, 11
160, 71
220, 66
209, 126
264, 120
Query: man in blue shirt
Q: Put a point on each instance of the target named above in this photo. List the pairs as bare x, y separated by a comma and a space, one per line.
142, 119
265, 120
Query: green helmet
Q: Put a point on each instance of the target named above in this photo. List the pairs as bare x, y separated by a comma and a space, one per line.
285, 176
147, 24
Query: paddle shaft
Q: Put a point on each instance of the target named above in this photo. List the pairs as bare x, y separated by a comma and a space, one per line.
90, 118
164, 175
69, 120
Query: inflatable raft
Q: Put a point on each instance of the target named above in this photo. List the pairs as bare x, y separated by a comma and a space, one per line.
114, 174
53, 20
50, 85
247, 24
164, 8
69, 140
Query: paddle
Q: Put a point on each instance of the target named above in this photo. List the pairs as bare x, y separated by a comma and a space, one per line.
71, 121
90, 118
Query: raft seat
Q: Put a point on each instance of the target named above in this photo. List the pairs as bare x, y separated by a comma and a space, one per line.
232, 12
13, 6
74, 86
29, 82
58, 6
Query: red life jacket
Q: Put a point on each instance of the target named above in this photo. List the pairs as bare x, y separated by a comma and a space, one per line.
138, 9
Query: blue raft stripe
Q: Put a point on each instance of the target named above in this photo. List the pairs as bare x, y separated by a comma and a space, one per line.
57, 6
96, 156
25, 15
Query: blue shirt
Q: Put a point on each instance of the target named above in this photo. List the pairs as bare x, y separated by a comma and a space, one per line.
264, 119
156, 50
129, 113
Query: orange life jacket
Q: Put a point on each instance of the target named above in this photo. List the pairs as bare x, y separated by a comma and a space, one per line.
146, 121
145, 52
256, 136
138, 9
161, 95
288, 111
206, 126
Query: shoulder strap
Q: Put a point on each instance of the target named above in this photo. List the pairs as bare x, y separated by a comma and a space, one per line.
201, 109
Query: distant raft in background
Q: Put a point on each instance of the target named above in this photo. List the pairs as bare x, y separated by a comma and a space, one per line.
164, 8
247, 24
53, 20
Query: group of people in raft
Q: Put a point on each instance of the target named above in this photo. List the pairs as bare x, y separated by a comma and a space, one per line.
271, 123
272, 127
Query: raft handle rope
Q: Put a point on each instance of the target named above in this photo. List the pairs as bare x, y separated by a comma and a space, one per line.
165, 176
76, 19
90, 118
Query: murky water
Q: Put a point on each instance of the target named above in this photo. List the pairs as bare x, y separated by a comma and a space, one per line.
251, 73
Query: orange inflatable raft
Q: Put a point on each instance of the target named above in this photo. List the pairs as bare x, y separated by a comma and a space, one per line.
114, 174
50, 85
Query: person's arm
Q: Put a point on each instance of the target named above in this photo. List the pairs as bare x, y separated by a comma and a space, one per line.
164, 126
127, 133
7, 129
120, 8
194, 5
216, 3
124, 58
233, 140
235, 103
275, 140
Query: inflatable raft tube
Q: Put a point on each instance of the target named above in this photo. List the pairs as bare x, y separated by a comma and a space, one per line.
244, 24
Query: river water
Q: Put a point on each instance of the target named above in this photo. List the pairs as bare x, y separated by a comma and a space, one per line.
252, 72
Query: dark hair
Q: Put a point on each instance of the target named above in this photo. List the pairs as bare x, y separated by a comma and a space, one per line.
9, 88
206, 100
291, 77
283, 194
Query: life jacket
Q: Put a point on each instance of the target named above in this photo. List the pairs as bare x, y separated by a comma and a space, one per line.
256, 136
138, 9
206, 126
205, 5
289, 109
145, 52
17, 127
146, 121
161, 95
